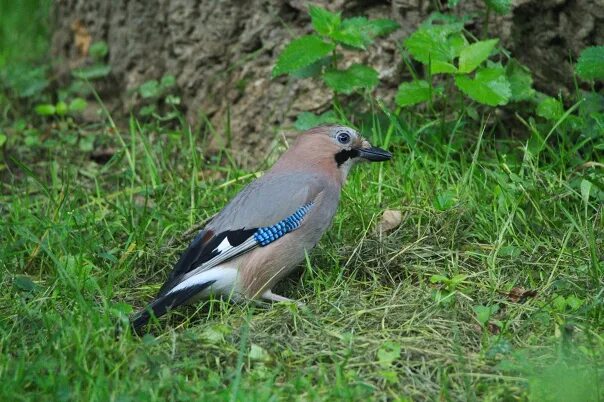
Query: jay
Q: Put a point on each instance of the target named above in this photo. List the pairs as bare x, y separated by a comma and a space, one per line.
264, 232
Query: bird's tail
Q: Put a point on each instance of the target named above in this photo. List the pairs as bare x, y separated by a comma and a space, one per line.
162, 304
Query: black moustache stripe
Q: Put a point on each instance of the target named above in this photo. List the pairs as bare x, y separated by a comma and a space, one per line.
344, 155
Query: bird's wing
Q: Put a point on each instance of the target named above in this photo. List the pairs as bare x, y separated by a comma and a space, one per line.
265, 210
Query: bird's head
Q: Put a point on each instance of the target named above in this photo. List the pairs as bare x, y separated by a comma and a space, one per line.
339, 147
350, 146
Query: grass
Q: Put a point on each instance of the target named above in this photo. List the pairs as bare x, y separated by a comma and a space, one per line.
491, 287
394, 315
24, 30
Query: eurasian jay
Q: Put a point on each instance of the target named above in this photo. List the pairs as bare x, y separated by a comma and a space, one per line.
264, 232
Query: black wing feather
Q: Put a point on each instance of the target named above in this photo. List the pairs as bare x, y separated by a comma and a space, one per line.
201, 250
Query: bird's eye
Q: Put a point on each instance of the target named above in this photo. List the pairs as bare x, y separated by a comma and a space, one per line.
343, 138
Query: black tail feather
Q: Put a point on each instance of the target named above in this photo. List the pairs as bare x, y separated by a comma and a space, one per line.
161, 305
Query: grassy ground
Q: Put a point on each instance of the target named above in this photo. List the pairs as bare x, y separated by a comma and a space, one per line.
428, 311
491, 287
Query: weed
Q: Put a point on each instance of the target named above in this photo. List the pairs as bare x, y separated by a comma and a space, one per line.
490, 288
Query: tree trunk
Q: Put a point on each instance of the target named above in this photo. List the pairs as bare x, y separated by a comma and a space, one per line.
222, 51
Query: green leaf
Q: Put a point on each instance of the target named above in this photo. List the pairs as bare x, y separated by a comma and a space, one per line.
559, 303
411, 93
45, 109
77, 105
459, 278
457, 42
439, 279
61, 108
92, 72
391, 377
354, 32
258, 353
592, 105
70, 138
440, 67
147, 110
451, 23
489, 86
382, 27
388, 353
308, 120
301, 53
122, 308
499, 6
574, 302
550, 109
355, 77
79, 88
3, 139
98, 50
323, 21
24, 283
314, 69
591, 63
149, 340
521, 81
360, 32
472, 113
216, 333
484, 313
149, 89
172, 100
213, 335
86, 143
430, 44
444, 200
509, 251
471, 56
585, 190
167, 81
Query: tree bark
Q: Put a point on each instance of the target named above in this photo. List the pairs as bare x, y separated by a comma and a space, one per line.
222, 51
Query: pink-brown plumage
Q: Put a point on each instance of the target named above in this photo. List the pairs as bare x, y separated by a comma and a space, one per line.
291, 205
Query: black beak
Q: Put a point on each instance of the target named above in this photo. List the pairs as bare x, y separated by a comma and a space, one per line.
374, 154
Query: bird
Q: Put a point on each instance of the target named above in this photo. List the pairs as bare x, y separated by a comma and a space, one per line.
265, 231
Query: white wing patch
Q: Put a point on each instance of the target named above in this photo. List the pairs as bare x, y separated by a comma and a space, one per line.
224, 276
228, 253
218, 269
223, 246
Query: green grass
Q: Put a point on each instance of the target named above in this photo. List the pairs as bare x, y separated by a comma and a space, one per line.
387, 316
427, 311
24, 33
24, 41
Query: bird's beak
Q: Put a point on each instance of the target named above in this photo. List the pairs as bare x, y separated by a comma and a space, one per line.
373, 154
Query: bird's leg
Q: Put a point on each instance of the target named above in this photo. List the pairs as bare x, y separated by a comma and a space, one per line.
270, 296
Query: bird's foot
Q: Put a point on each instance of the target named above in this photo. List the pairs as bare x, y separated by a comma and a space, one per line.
270, 296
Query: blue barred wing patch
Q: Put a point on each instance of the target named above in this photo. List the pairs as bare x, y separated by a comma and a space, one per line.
266, 235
